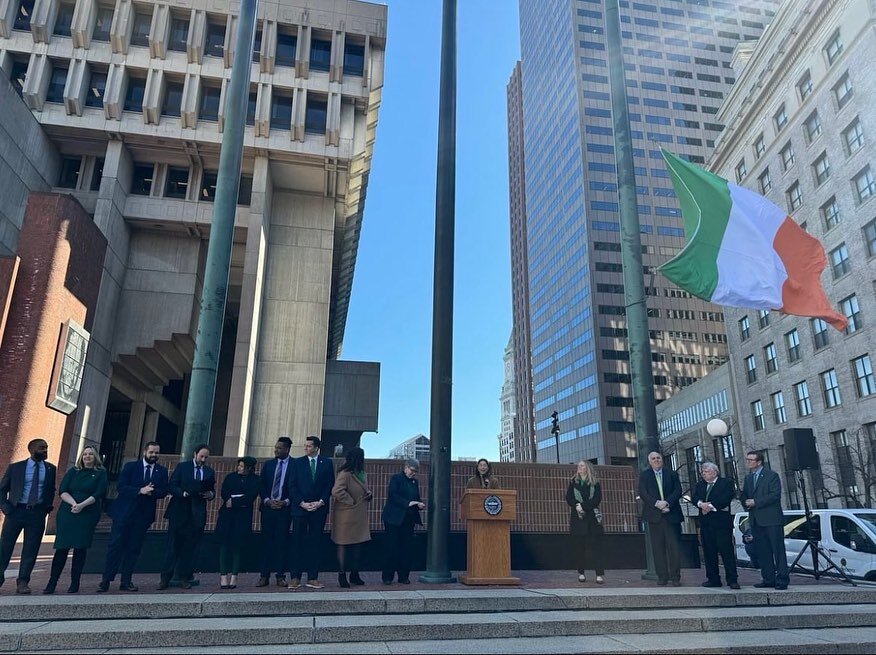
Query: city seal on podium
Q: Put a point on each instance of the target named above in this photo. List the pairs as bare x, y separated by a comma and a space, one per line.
492, 505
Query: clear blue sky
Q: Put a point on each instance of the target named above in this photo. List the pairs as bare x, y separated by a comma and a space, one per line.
390, 317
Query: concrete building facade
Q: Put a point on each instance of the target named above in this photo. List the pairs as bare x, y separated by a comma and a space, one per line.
126, 110
800, 126
417, 447
677, 59
508, 408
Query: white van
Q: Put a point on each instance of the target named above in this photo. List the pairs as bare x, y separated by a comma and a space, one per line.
848, 535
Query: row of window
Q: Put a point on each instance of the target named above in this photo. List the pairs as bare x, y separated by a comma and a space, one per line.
865, 385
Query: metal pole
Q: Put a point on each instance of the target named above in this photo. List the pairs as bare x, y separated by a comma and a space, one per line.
437, 564
631, 253
199, 408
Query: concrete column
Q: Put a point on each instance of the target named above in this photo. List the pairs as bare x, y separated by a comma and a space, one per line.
150, 427
43, 20
302, 52
191, 99
122, 27
299, 111
197, 34
336, 69
78, 77
153, 96
269, 46
116, 87
83, 21
8, 8
230, 39
135, 430
159, 31
39, 73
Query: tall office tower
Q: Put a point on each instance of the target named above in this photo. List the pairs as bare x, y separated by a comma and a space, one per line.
508, 409
800, 130
524, 429
122, 106
677, 60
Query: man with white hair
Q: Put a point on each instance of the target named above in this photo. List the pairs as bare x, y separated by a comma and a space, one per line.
713, 495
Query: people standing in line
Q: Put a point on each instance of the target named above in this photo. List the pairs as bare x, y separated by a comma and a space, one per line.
310, 490
276, 515
583, 496
350, 528
483, 477
27, 490
234, 523
660, 491
140, 486
400, 514
762, 497
82, 492
713, 495
192, 484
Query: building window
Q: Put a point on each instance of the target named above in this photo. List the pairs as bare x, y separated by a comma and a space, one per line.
140, 30
852, 312
354, 59
763, 318
134, 94
251, 103
320, 54
792, 343
853, 137
780, 118
833, 48
804, 404
741, 171
173, 92
830, 213
759, 147
102, 24
69, 177
18, 75
757, 415
865, 186
766, 182
771, 358
819, 333
315, 116
23, 15
97, 174
779, 414
64, 20
787, 154
795, 196
210, 96
244, 194
870, 237
821, 168
745, 327
96, 89
751, 369
843, 91
208, 186
812, 127
844, 465
179, 33
257, 46
866, 385
281, 112
839, 261
214, 44
141, 180
804, 86
55, 90
287, 45
830, 389
177, 184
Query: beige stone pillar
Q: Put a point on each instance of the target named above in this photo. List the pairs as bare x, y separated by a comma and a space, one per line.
135, 430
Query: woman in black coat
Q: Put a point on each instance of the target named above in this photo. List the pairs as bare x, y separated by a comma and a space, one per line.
583, 496
234, 524
400, 514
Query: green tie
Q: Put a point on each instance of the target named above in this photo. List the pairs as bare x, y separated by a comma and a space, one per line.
709, 490
313, 469
659, 475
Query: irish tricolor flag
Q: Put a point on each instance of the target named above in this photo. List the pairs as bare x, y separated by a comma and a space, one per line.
744, 251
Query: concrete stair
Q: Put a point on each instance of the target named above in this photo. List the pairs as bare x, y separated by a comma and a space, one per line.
824, 618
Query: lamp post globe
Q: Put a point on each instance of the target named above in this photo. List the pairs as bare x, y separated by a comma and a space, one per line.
717, 428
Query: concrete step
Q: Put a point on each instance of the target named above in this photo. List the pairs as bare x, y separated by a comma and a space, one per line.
185, 633
306, 603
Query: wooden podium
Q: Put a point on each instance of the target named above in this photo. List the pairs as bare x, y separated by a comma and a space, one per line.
488, 514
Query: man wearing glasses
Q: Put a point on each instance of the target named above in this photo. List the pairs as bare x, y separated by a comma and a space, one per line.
762, 497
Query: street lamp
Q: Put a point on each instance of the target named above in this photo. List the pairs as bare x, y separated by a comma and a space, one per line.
717, 428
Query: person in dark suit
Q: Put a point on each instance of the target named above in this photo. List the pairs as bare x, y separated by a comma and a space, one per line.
27, 490
583, 496
140, 486
762, 497
234, 523
660, 491
192, 484
276, 515
400, 514
310, 488
713, 495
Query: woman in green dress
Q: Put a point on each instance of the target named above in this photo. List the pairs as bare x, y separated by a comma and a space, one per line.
82, 491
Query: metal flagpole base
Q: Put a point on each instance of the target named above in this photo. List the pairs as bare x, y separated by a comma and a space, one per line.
649, 573
437, 578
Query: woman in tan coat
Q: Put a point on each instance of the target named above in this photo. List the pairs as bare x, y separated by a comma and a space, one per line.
483, 477
350, 530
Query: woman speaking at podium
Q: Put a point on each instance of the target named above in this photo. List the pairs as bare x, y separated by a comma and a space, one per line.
483, 477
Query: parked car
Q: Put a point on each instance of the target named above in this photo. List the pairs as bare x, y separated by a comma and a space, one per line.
848, 535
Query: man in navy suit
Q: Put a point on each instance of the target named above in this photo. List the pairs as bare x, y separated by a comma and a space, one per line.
762, 497
276, 517
141, 485
660, 491
310, 488
192, 484
26, 494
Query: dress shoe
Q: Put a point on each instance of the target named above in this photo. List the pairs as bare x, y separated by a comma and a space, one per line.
404, 581
663, 583
356, 579
232, 581
709, 583
764, 585
600, 579
185, 584
675, 583
22, 587
734, 585
50, 587
582, 577
103, 586
163, 584
128, 586
342, 581
223, 581
781, 587
294, 583
314, 584
387, 582
74, 587
263, 582
281, 581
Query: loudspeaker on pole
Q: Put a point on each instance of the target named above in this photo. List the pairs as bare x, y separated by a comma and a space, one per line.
800, 451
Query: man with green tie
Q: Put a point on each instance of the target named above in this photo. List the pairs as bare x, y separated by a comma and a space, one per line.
660, 491
310, 488
712, 495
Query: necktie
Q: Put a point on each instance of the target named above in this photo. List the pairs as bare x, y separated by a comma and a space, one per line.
199, 475
756, 478
278, 476
709, 490
313, 469
147, 475
659, 476
33, 496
